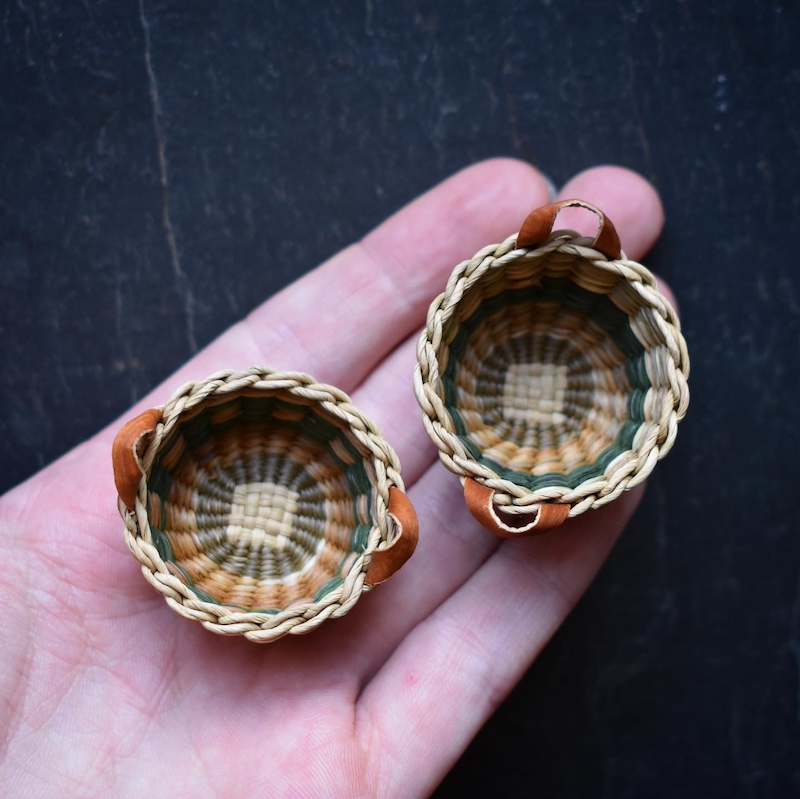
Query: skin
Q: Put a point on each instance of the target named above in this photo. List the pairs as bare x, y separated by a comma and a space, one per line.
106, 692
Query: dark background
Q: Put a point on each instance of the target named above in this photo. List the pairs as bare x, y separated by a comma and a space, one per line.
159, 163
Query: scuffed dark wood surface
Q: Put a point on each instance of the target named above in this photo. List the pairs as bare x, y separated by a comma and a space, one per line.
165, 166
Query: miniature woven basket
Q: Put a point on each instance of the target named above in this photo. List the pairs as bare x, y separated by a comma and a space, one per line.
552, 375
261, 503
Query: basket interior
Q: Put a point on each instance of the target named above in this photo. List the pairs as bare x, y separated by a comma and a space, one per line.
260, 501
544, 378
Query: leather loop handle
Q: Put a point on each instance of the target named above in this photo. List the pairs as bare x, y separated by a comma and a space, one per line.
125, 457
480, 501
385, 562
538, 226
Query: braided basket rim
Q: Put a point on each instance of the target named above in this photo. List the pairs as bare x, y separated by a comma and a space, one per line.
258, 625
622, 474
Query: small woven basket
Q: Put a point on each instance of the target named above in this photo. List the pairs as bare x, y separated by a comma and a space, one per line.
261, 503
552, 375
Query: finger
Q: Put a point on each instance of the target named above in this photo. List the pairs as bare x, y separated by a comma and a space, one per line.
439, 574
387, 397
625, 197
340, 320
451, 673
610, 188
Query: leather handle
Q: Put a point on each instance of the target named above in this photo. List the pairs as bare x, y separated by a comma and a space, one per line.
480, 501
124, 454
385, 562
538, 226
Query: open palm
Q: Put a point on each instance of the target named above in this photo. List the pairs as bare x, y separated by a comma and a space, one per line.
106, 692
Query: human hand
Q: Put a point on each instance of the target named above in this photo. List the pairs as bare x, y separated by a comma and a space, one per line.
106, 692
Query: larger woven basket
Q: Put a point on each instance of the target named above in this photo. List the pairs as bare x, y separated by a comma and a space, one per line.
261, 503
552, 374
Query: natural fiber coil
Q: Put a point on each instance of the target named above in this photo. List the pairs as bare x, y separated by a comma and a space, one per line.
261, 503
552, 374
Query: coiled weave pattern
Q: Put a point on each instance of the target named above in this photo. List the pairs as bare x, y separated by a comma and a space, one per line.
264, 496
552, 373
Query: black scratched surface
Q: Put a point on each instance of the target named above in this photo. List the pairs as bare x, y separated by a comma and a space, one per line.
160, 163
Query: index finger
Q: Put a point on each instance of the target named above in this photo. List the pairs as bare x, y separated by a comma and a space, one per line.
340, 320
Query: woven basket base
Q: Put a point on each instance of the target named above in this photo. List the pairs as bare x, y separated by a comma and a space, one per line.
544, 384
260, 504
